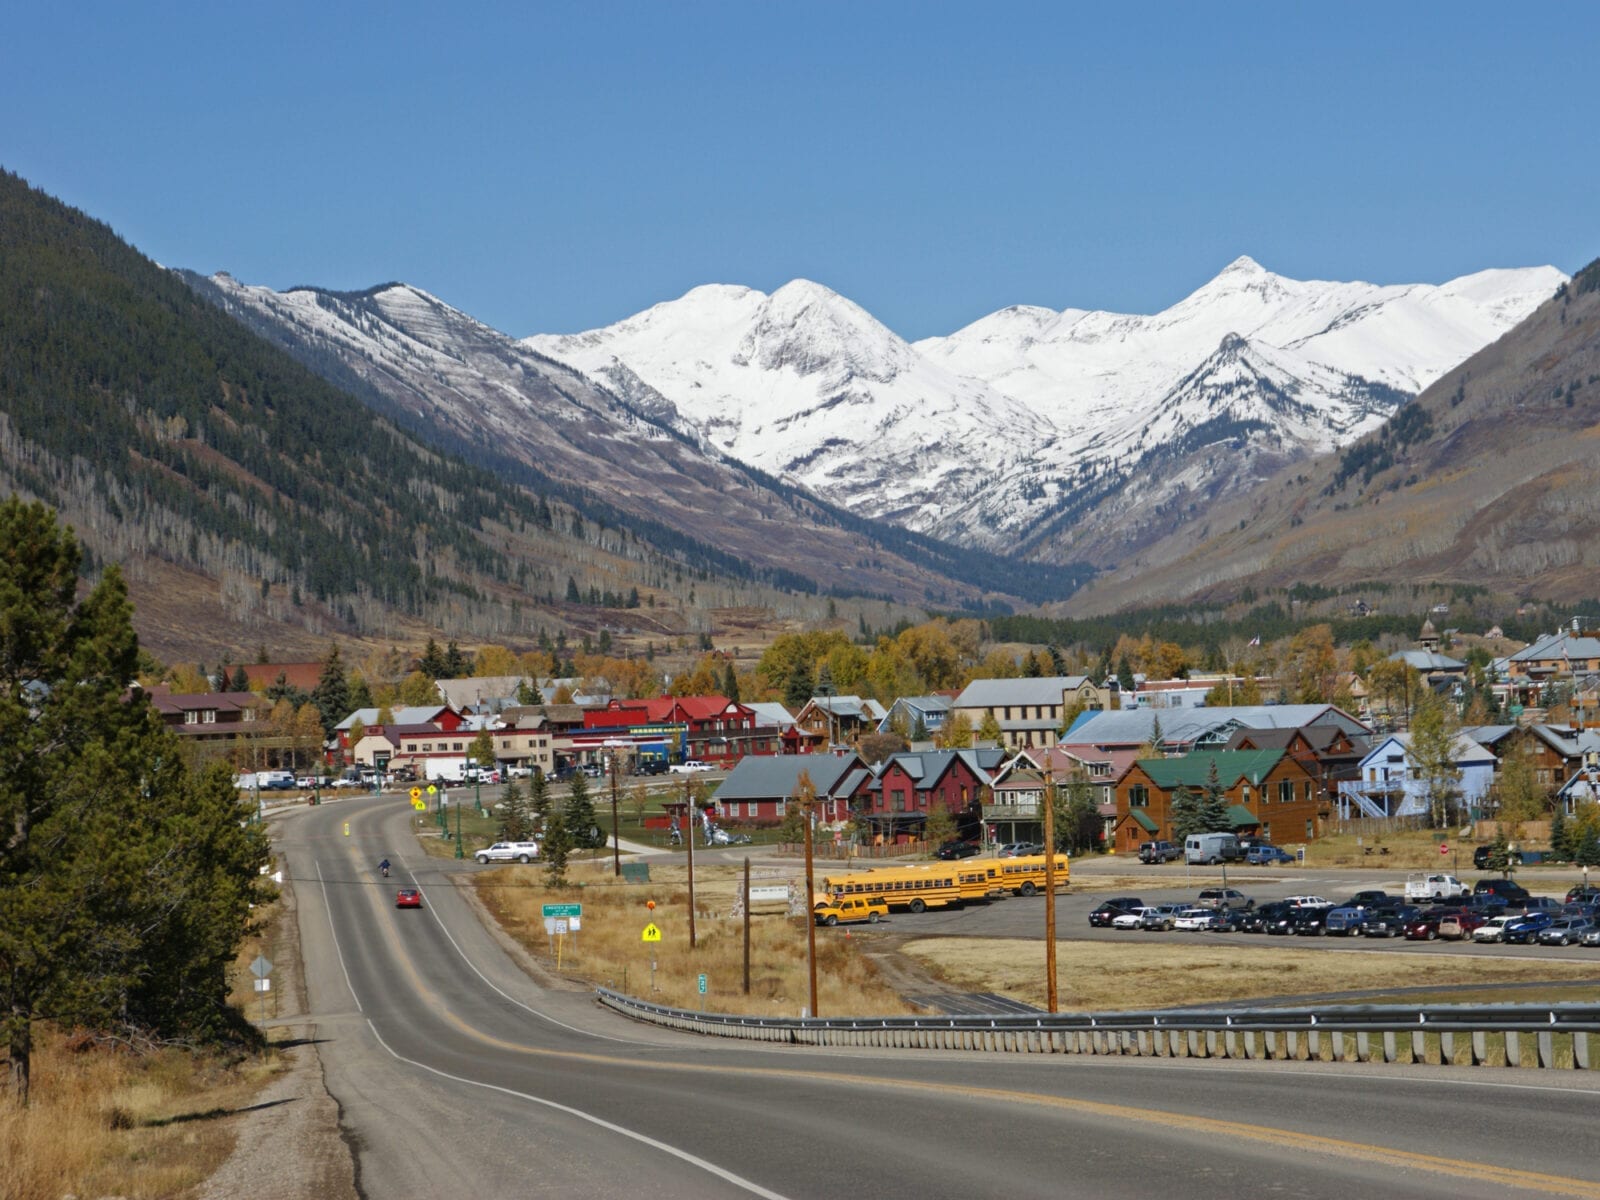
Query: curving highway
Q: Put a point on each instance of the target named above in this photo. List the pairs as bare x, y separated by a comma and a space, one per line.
457, 1074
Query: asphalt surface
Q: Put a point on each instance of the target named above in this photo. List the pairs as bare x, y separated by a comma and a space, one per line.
456, 1074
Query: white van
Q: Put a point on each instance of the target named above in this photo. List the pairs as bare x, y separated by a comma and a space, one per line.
1211, 848
275, 781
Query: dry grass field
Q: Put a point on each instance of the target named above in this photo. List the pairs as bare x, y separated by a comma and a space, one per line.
109, 1123
609, 951
105, 1121
1099, 976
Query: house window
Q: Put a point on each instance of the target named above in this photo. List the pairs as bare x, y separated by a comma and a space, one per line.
209, 717
190, 717
1244, 797
1309, 833
899, 799
1286, 791
1308, 791
1138, 796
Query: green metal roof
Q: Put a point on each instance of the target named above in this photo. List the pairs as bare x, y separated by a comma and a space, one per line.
1239, 815
1192, 770
1138, 815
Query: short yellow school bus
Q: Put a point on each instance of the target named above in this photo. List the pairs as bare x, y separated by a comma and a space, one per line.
912, 888
1024, 875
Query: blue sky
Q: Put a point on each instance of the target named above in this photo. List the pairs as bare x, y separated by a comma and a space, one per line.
550, 168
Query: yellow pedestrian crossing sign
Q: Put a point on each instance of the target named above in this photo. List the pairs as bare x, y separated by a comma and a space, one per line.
650, 934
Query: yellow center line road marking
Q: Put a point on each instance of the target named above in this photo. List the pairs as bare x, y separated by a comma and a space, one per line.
1475, 1172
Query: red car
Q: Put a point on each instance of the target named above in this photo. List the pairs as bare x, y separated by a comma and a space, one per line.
1425, 928
408, 898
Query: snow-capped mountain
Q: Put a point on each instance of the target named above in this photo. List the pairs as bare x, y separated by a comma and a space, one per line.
1019, 427
475, 391
808, 386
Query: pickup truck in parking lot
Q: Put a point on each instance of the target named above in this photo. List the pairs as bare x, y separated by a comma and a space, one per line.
1423, 887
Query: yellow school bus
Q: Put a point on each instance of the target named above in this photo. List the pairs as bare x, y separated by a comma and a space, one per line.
1024, 875
912, 888
978, 879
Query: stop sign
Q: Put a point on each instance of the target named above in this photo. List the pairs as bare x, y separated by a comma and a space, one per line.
1444, 847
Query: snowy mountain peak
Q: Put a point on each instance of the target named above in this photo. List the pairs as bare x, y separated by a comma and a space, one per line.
812, 330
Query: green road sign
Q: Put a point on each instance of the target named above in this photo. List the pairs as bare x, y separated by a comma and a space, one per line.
702, 985
561, 910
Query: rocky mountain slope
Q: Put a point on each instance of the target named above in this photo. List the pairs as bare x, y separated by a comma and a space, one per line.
616, 450
1491, 477
1058, 435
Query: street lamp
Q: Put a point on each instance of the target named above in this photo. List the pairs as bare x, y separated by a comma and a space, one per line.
460, 853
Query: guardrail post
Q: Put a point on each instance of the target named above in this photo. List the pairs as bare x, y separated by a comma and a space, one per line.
1363, 1047
1513, 1049
1547, 1049
1419, 1046
1580, 1050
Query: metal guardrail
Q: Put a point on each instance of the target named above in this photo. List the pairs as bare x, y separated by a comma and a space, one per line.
1555, 1035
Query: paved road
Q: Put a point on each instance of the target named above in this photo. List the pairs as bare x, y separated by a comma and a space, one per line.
458, 1075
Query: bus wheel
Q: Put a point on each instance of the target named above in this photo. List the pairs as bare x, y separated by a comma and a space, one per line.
917, 905
1027, 887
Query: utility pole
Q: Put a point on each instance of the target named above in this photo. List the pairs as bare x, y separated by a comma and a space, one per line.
688, 797
616, 828
806, 795
1051, 1000
747, 924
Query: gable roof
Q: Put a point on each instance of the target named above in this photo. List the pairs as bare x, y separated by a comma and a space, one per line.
1045, 689
773, 776
769, 712
1467, 751
413, 714
1193, 770
1186, 726
1558, 645
1427, 660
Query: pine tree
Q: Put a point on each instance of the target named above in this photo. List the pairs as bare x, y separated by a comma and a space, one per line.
432, 662
1560, 837
555, 849
528, 693
800, 686
125, 878
457, 664
578, 814
730, 682
514, 821
539, 799
1187, 814
240, 681
332, 693
1214, 804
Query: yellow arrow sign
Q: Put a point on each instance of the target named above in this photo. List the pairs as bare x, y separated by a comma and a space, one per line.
650, 934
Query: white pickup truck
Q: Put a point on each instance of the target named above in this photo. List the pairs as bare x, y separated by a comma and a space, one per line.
1434, 887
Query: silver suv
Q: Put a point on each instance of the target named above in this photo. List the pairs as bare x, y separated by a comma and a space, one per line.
1224, 898
509, 852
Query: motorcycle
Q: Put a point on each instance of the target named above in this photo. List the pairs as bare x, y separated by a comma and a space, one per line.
384, 868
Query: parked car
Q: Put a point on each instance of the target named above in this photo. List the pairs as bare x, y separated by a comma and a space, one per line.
1436, 887
1494, 928
1389, 922
1161, 916
1526, 928
403, 774
650, 766
1564, 931
1461, 924
846, 910
1525, 858
1158, 852
1311, 922
958, 849
1424, 927
1580, 893
1256, 920
689, 766
1019, 849
1590, 936
1101, 915
1508, 889
1195, 919
1129, 920
595, 770
1267, 856
408, 898
523, 852
1223, 898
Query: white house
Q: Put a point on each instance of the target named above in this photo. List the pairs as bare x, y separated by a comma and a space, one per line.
1389, 784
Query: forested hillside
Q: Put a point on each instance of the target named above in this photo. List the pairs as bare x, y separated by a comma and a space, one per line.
244, 493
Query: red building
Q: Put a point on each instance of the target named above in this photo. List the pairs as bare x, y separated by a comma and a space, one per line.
910, 786
720, 731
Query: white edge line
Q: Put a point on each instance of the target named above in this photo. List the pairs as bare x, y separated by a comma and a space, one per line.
738, 1181
525, 1007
